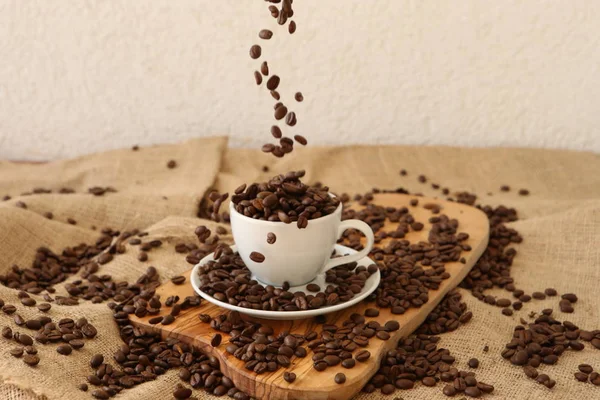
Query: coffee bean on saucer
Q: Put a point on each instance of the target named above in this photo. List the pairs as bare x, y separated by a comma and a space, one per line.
257, 257
216, 340
255, 51
313, 287
271, 238
289, 376
178, 280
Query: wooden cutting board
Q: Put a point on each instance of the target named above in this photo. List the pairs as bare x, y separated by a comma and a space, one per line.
311, 384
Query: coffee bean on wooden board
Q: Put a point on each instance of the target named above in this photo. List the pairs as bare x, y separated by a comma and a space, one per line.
289, 376
178, 280
216, 340
340, 378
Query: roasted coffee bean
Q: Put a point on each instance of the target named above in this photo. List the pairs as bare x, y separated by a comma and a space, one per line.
301, 139
371, 312
291, 119
292, 27
155, 320
31, 359
273, 82
24, 339
299, 97
571, 297
404, 384
581, 377
216, 340
16, 351
7, 332
257, 257
265, 34
64, 349
271, 238
178, 280
340, 378
313, 287
281, 111
255, 52
473, 391
257, 77
28, 302
44, 307
142, 256
449, 390
348, 363
392, 326
182, 393
585, 368
550, 292
388, 389
362, 355
473, 363
289, 376
83, 387
276, 132
383, 335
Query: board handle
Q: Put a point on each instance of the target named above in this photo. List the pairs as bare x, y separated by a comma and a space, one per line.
360, 226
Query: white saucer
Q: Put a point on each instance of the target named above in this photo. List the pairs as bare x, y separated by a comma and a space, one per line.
370, 286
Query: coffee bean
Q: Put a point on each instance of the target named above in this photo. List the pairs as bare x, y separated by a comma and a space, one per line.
348, 363
280, 112
473, 391
581, 377
255, 51
44, 307
273, 82
7, 332
388, 389
292, 27
550, 292
312, 287
289, 376
301, 139
142, 256
167, 320
538, 295
83, 387
257, 257
507, 311
383, 335
392, 326
571, 297
271, 238
585, 368
155, 320
299, 97
24, 339
275, 95
265, 34
178, 280
449, 390
28, 302
16, 352
64, 349
257, 77
264, 69
291, 119
404, 384
523, 192
276, 132
216, 340
340, 378
31, 359
371, 312
473, 363
362, 355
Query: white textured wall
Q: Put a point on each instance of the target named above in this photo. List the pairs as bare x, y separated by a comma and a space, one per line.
79, 76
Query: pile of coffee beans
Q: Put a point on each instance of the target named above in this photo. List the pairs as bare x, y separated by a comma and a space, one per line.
543, 342
227, 279
284, 198
447, 316
418, 359
281, 111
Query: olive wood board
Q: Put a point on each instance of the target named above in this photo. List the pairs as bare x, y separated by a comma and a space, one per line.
311, 384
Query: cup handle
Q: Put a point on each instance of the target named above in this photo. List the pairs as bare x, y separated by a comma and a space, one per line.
366, 230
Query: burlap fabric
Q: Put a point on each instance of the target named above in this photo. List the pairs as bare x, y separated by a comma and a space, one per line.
560, 223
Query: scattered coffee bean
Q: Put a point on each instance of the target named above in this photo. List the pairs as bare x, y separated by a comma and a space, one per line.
64, 349
340, 378
473, 363
362, 355
31, 359
371, 312
550, 292
178, 280
523, 192
289, 376
216, 340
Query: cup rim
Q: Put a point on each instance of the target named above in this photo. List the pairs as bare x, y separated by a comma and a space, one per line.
232, 211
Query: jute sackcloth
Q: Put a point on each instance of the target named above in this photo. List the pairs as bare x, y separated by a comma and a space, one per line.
559, 220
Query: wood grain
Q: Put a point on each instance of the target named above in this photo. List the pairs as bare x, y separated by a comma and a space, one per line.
311, 384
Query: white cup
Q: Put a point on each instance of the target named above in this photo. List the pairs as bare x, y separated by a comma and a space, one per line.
298, 255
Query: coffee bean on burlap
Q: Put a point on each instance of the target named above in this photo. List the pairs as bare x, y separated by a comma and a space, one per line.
255, 51
64, 349
265, 34
550, 292
17, 351
585, 368
31, 359
473, 363
257, 257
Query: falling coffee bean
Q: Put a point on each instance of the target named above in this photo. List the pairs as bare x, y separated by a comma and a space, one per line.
299, 97
280, 112
255, 52
258, 77
291, 119
257, 257
300, 139
273, 82
264, 68
276, 132
265, 34
292, 27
